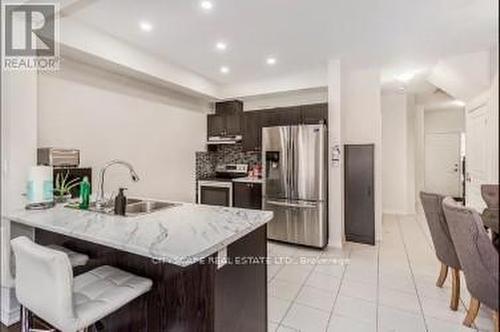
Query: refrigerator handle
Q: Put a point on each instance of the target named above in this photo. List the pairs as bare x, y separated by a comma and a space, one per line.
293, 205
291, 161
289, 165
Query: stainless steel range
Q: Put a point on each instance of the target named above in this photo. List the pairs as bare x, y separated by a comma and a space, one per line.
219, 190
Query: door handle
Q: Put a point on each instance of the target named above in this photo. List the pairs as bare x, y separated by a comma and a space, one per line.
369, 191
293, 205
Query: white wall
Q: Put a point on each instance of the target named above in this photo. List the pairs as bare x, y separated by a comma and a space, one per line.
108, 117
19, 118
398, 153
362, 121
336, 229
463, 76
286, 99
394, 152
310, 79
411, 136
444, 120
494, 110
85, 42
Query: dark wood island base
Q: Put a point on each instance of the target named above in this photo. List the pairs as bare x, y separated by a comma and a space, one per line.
196, 298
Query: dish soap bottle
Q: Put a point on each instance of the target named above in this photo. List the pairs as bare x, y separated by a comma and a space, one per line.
84, 193
120, 202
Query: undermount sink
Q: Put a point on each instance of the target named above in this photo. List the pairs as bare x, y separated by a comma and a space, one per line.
143, 207
135, 207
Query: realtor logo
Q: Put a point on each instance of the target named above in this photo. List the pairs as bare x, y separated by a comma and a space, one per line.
30, 36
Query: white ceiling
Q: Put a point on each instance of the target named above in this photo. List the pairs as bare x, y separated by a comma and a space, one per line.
301, 34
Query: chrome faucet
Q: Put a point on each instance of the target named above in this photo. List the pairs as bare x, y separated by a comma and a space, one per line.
101, 201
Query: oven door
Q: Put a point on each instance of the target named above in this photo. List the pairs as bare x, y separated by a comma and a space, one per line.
215, 193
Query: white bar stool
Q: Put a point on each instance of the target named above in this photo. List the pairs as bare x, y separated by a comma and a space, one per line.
75, 258
46, 287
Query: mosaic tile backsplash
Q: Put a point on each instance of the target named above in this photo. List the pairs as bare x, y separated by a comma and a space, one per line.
224, 154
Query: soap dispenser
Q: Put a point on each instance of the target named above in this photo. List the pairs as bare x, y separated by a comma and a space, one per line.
120, 202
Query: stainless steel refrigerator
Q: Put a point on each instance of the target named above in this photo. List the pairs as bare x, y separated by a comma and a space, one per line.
295, 183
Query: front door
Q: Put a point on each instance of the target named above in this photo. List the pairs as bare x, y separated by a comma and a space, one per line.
442, 164
476, 155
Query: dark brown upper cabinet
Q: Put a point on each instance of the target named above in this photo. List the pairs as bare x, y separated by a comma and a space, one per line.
226, 120
216, 125
229, 119
229, 107
314, 114
283, 116
254, 121
252, 131
233, 124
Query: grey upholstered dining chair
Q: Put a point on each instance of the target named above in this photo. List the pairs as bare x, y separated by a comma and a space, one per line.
490, 194
491, 215
478, 258
443, 244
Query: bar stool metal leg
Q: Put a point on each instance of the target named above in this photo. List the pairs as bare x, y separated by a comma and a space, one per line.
25, 321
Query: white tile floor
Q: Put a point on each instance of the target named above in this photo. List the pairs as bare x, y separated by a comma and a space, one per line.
388, 287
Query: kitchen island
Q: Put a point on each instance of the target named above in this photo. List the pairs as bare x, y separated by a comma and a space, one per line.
182, 249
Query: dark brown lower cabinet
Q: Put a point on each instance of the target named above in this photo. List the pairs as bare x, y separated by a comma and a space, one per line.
196, 298
359, 200
247, 195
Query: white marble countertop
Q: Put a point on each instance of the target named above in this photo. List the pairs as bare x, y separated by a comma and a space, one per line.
248, 179
181, 235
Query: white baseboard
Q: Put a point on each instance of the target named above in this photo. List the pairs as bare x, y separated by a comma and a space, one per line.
9, 313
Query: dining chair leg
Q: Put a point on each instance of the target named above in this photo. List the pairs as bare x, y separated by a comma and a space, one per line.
472, 312
455, 289
496, 321
442, 275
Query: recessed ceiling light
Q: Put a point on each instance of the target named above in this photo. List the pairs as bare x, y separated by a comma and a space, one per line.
207, 5
224, 69
271, 61
406, 77
145, 26
221, 46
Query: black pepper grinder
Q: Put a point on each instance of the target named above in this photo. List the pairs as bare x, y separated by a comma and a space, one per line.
120, 202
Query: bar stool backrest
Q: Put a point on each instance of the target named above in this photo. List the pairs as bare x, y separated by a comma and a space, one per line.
44, 281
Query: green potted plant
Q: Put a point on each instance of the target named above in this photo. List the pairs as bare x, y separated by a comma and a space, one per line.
62, 190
